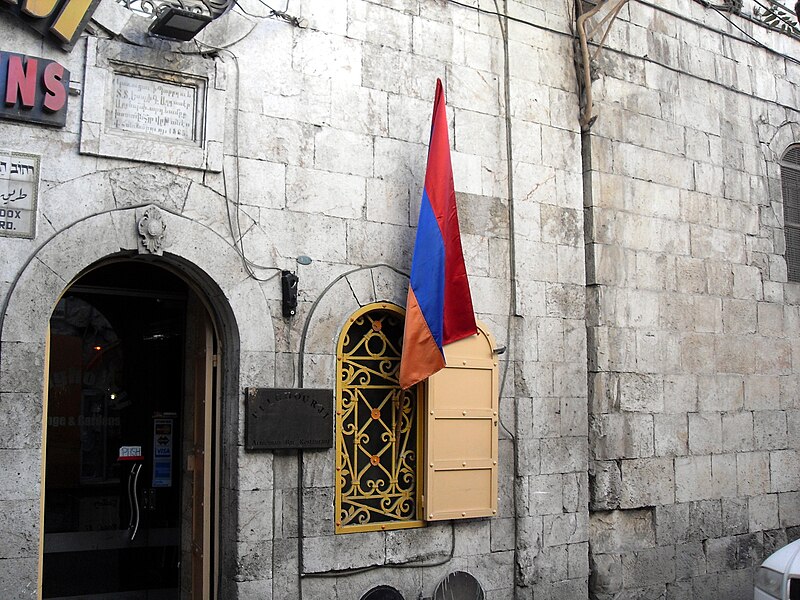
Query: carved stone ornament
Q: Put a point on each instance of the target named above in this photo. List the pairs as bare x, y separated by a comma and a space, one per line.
152, 232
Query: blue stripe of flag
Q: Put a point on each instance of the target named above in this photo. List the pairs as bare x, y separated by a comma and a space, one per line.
427, 269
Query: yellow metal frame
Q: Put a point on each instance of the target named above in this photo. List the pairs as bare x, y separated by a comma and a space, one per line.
367, 379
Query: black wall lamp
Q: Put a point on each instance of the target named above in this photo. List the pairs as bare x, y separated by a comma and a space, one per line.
178, 24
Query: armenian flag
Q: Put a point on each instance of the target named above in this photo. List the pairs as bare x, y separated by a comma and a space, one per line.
439, 306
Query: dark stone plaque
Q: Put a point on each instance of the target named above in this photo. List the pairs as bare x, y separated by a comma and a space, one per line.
281, 418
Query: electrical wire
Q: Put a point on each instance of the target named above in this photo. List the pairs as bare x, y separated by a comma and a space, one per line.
234, 222
497, 13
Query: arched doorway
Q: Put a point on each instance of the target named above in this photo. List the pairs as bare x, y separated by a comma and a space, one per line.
132, 438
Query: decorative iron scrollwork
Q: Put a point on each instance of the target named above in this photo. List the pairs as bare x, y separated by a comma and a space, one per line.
377, 437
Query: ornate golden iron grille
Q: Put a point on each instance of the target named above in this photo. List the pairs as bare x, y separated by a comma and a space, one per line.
377, 437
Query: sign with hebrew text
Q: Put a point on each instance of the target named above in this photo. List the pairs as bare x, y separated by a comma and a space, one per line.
19, 189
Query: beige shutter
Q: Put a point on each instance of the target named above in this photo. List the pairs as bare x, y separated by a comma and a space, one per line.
461, 432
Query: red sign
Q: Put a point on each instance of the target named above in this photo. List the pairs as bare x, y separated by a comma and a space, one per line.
33, 89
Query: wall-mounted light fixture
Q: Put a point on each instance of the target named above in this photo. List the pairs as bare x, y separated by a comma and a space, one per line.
178, 24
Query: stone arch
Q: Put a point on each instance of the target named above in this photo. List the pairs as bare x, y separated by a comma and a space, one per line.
193, 251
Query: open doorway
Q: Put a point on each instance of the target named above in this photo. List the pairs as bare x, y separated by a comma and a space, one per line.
131, 446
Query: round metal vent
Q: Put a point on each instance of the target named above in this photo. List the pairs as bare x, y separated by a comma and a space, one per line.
459, 585
382, 592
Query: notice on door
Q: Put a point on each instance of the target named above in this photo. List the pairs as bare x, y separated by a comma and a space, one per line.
162, 452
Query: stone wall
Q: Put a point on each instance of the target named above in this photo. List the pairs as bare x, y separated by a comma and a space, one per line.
324, 139
692, 326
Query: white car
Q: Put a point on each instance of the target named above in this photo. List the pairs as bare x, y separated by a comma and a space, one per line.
778, 578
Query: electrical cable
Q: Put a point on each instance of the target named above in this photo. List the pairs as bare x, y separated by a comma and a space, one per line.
497, 13
250, 266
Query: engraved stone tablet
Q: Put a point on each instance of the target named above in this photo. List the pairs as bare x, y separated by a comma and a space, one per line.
157, 108
280, 418
19, 188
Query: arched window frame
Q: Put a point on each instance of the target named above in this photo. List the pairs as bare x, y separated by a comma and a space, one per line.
389, 498
790, 188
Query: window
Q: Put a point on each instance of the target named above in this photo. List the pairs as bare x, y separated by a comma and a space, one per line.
378, 443
790, 183
384, 435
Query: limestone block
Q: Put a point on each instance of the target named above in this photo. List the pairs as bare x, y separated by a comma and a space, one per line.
616, 435
29, 309
718, 245
648, 482
690, 560
336, 552
640, 393
735, 517
621, 531
789, 509
753, 473
260, 589
551, 564
20, 473
605, 482
705, 520
574, 418
769, 429
569, 528
16, 577
545, 494
470, 175
658, 351
762, 392
473, 538
389, 70
763, 513
22, 368
561, 149
650, 566
290, 142
671, 434
318, 509
19, 528
691, 275
720, 278
735, 354
692, 477
680, 393
723, 482
563, 455
479, 134
705, 432
672, 524
732, 553
326, 56
676, 312
253, 561
254, 515
747, 282
528, 457
569, 380
570, 264
20, 420
320, 192
737, 431
359, 109
380, 25
262, 183
253, 471
784, 471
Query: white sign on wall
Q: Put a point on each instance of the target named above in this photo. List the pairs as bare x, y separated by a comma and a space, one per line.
19, 189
